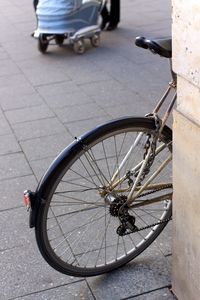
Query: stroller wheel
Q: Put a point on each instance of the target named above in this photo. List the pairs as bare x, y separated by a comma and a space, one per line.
42, 43
95, 40
79, 46
59, 39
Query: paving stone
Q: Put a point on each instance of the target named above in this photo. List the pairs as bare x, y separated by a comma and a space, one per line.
148, 272
46, 75
25, 47
8, 144
3, 55
162, 294
11, 191
5, 3
16, 232
80, 112
13, 11
41, 60
21, 101
15, 90
101, 86
4, 125
8, 33
13, 165
80, 127
15, 80
88, 73
38, 128
122, 97
46, 146
23, 14
151, 93
123, 110
123, 71
28, 114
77, 290
164, 240
8, 68
63, 99
25, 27
56, 89
28, 271
40, 166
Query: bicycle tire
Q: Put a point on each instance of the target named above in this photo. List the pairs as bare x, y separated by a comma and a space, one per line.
55, 215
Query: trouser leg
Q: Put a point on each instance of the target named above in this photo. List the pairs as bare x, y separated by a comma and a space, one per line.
35, 3
105, 17
115, 11
104, 13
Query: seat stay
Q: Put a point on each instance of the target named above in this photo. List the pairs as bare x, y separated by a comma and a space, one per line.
115, 175
136, 168
132, 195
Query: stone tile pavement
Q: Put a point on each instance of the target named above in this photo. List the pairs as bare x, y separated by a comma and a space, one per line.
46, 100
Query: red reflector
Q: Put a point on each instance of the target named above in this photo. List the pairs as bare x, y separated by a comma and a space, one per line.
27, 201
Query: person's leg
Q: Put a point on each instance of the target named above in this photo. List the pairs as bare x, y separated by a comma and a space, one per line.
105, 17
114, 14
35, 3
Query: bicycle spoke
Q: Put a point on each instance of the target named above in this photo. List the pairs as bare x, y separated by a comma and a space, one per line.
106, 158
85, 226
69, 233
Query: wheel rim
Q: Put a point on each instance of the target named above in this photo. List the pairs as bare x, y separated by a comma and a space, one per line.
80, 231
79, 47
95, 40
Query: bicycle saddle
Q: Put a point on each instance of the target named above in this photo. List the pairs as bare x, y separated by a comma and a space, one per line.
163, 47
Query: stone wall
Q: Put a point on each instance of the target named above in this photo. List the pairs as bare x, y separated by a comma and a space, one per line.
186, 166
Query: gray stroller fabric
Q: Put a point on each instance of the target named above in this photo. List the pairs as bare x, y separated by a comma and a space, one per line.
57, 7
61, 16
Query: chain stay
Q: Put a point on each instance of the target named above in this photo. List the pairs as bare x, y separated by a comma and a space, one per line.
146, 171
122, 231
156, 190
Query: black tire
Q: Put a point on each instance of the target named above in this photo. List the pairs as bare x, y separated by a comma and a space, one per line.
76, 226
95, 40
42, 43
79, 46
59, 39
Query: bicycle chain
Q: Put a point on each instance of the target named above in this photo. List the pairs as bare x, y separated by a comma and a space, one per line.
146, 227
151, 145
156, 190
122, 231
148, 144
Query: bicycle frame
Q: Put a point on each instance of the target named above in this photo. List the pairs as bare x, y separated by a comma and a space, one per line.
135, 191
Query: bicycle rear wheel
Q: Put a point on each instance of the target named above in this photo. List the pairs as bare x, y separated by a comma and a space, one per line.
76, 228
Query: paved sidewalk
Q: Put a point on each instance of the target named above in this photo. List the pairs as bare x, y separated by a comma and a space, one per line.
46, 100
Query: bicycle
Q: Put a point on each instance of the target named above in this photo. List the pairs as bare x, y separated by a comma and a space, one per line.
108, 195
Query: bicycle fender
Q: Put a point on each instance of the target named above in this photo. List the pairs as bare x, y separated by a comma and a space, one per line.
34, 200
57, 169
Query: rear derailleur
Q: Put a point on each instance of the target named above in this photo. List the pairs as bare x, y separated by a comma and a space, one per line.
119, 208
127, 224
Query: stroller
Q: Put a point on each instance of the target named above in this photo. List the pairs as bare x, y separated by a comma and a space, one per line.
73, 20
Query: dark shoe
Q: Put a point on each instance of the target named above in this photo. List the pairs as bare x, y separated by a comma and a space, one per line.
111, 27
104, 23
